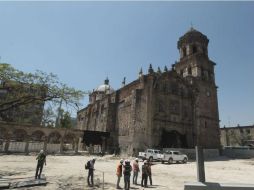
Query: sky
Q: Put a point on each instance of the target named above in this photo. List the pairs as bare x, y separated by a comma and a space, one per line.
84, 42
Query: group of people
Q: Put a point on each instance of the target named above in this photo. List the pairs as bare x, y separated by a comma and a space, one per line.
124, 168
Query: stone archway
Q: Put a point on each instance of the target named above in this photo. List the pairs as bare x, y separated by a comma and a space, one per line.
54, 142
172, 139
54, 138
36, 142
69, 142
19, 135
3, 138
18, 141
37, 136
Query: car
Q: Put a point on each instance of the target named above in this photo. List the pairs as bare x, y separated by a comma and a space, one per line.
151, 154
174, 156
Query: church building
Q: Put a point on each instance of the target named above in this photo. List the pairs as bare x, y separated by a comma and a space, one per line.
161, 109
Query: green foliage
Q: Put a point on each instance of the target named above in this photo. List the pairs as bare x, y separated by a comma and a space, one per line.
65, 121
48, 118
19, 88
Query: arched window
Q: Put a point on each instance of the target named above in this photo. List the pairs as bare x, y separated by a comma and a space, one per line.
194, 49
184, 52
189, 71
181, 72
202, 72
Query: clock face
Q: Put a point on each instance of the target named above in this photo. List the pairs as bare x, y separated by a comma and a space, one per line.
208, 93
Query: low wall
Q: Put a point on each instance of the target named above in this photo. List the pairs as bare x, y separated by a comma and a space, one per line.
191, 153
238, 152
35, 146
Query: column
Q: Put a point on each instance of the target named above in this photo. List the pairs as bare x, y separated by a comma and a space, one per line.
7, 143
200, 164
103, 147
76, 145
45, 144
27, 145
61, 145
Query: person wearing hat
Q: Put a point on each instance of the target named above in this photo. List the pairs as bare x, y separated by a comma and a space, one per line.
119, 173
144, 174
135, 171
90, 167
127, 174
41, 161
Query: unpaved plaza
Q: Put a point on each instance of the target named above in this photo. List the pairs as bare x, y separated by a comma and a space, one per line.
67, 172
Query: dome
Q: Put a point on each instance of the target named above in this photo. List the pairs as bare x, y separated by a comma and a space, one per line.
104, 88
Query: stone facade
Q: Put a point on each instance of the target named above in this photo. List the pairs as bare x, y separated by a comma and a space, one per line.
173, 108
237, 136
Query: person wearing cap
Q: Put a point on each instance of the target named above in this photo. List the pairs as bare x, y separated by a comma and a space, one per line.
127, 174
119, 173
90, 167
144, 174
41, 161
135, 171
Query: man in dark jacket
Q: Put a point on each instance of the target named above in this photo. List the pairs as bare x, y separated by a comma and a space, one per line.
41, 160
90, 167
144, 174
127, 174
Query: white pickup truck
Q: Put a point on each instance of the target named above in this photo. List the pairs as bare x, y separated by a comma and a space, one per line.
150, 154
174, 156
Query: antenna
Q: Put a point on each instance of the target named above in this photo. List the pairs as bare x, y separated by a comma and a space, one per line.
192, 26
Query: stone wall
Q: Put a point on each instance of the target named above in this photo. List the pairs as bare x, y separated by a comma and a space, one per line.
29, 138
237, 152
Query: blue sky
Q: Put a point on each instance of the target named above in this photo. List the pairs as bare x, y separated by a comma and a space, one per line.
83, 42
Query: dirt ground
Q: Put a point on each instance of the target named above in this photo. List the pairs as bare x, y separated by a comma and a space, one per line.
67, 172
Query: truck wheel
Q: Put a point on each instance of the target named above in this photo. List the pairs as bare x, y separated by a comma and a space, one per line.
185, 160
162, 161
170, 161
150, 159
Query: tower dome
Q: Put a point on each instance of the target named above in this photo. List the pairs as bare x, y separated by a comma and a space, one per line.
192, 42
105, 88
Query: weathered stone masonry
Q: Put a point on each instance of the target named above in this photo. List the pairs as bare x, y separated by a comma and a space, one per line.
175, 108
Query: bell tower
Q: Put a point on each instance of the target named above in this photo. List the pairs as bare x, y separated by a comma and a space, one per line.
197, 69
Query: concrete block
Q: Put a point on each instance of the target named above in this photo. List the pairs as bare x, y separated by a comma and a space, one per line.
4, 185
217, 186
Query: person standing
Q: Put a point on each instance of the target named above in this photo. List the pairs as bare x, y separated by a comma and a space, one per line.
127, 174
41, 161
90, 167
119, 172
135, 171
150, 172
144, 174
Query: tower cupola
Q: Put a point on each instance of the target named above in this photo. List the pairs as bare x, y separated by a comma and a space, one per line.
192, 42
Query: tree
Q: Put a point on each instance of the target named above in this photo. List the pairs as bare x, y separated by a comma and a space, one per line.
48, 117
19, 89
65, 121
